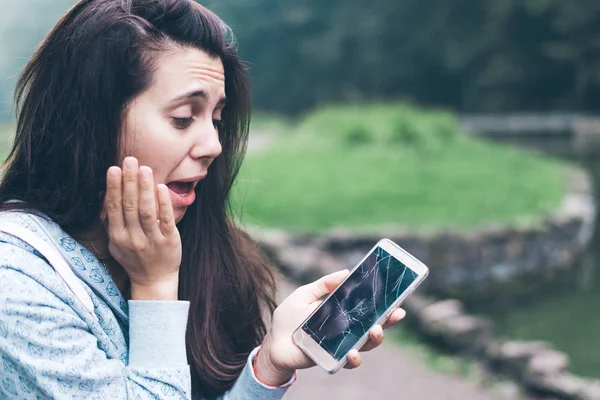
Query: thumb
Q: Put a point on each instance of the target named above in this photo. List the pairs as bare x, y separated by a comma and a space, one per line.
325, 285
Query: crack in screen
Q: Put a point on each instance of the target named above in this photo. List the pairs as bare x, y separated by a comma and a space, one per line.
359, 302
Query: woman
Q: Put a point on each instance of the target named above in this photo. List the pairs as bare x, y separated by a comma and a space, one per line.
132, 122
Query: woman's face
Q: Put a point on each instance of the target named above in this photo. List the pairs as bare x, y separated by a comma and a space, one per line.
172, 126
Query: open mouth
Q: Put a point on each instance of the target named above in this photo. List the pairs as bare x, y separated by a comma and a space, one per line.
181, 188
182, 193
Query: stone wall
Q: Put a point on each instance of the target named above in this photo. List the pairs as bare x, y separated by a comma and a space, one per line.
564, 135
470, 266
536, 366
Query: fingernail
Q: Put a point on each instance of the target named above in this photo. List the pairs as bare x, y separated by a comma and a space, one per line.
113, 171
145, 172
163, 188
129, 163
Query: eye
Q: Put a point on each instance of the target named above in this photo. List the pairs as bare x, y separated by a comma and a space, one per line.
182, 123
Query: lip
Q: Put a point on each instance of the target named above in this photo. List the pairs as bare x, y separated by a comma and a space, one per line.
194, 179
185, 200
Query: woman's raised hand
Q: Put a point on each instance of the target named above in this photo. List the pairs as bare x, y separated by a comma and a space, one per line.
143, 237
279, 356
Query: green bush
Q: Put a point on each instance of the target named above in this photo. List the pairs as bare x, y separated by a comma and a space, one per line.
357, 135
395, 126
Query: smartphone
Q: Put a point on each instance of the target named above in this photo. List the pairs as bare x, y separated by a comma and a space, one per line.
369, 294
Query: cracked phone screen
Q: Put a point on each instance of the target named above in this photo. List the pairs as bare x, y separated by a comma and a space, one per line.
359, 302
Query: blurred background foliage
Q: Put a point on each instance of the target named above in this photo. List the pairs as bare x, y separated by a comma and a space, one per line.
469, 55
466, 55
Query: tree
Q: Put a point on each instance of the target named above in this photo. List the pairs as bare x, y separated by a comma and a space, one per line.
468, 55
471, 55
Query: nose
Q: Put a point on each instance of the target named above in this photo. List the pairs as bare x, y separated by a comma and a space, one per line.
206, 142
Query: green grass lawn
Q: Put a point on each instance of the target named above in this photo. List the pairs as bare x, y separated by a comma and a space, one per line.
392, 166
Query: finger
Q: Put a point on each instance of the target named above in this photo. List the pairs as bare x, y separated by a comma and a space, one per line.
375, 338
165, 211
394, 318
113, 202
147, 205
130, 193
313, 291
354, 359
313, 306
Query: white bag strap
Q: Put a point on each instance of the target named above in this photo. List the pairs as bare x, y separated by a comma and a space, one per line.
56, 260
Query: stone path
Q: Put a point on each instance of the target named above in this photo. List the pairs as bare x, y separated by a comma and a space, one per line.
389, 372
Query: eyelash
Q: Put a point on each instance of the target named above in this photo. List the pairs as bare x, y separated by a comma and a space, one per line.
182, 123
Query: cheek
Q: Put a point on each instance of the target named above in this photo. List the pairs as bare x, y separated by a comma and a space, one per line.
161, 159
155, 145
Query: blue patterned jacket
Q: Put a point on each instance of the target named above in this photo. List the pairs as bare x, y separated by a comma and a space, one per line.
52, 347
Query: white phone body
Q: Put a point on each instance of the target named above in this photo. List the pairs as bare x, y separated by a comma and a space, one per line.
305, 336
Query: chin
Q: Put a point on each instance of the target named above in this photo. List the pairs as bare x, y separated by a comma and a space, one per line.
179, 214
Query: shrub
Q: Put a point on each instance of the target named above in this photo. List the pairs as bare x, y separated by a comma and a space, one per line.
391, 126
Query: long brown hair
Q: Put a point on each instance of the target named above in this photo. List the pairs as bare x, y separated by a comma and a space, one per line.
70, 102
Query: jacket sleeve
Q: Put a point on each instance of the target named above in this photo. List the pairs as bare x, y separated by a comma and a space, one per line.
48, 351
248, 387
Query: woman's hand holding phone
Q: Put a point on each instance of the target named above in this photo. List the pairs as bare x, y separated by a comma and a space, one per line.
143, 237
279, 356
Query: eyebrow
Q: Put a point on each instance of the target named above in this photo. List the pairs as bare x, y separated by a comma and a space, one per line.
198, 93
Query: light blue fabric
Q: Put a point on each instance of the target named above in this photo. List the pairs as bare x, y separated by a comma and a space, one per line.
51, 347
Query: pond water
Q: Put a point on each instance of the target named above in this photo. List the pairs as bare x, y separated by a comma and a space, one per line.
566, 313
